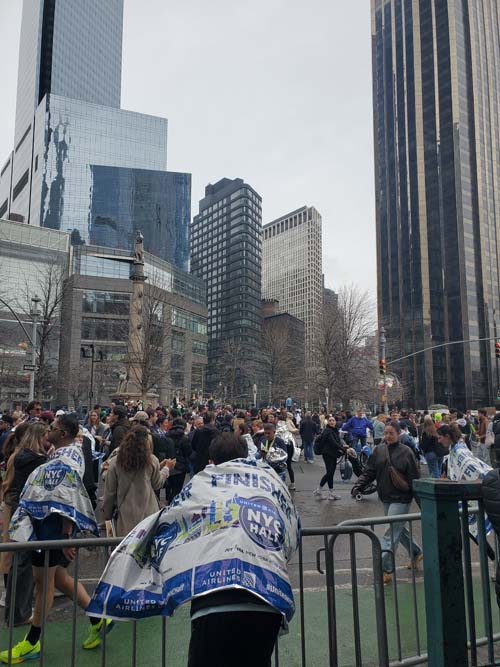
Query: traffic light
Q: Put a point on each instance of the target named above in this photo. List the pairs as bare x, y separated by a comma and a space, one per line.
382, 367
497, 349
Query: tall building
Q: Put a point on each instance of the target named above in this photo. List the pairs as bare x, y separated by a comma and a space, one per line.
80, 163
291, 270
226, 247
436, 83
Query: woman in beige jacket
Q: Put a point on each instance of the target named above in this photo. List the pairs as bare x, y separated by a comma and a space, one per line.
133, 476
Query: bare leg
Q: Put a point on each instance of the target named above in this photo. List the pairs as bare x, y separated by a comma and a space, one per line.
49, 597
66, 584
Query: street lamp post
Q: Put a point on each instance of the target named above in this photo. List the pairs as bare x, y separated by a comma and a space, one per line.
306, 405
254, 395
327, 399
270, 393
34, 314
382, 340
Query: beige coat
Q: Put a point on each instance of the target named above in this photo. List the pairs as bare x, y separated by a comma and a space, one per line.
132, 494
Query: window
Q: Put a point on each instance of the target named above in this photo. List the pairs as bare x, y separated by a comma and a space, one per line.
3, 208
20, 184
106, 303
189, 321
199, 347
23, 138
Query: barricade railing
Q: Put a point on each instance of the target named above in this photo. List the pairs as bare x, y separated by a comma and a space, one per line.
474, 599
389, 648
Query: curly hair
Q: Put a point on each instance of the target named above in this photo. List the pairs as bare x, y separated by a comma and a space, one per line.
134, 453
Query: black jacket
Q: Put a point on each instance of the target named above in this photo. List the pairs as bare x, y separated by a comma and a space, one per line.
118, 431
496, 431
377, 468
428, 443
491, 498
200, 443
182, 448
308, 429
331, 445
409, 426
163, 446
24, 463
89, 480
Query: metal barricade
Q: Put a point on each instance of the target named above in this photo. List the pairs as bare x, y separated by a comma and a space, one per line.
389, 648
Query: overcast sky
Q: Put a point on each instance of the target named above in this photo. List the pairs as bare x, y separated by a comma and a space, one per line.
277, 92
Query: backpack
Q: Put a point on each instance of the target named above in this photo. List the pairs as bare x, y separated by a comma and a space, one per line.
318, 445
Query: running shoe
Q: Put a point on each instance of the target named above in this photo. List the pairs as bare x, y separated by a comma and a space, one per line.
95, 634
22, 651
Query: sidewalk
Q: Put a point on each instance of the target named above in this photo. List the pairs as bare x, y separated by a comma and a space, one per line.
119, 641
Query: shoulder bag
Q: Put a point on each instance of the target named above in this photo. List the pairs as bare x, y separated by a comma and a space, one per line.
397, 479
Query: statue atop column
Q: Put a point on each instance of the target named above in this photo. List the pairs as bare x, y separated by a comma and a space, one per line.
137, 274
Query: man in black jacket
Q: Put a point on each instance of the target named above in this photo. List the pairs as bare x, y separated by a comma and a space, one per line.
163, 445
308, 430
119, 424
201, 442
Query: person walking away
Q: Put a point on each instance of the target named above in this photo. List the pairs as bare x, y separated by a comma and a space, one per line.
283, 432
308, 430
432, 450
396, 496
29, 454
201, 442
330, 448
182, 456
61, 509
378, 429
133, 476
482, 425
356, 426
119, 426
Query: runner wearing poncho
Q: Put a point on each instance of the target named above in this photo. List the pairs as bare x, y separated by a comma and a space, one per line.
55, 487
54, 505
233, 527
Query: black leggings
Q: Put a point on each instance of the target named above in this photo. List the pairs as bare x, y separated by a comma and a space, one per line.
331, 465
290, 449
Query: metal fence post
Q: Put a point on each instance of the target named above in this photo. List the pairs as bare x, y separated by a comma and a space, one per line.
443, 573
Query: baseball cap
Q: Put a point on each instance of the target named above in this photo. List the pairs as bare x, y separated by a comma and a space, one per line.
140, 416
60, 413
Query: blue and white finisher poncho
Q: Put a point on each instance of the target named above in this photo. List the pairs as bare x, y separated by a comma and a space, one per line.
55, 487
233, 526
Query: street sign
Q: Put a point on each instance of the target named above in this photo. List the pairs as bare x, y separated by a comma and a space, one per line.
29, 367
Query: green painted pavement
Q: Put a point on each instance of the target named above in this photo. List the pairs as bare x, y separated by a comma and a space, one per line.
119, 641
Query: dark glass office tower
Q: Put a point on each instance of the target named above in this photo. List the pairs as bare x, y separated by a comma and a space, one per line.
226, 252
436, 95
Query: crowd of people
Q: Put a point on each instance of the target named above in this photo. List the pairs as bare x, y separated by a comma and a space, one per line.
129, 461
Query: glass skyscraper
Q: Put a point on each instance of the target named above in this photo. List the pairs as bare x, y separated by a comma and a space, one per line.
80, 162
226, 252
436, 94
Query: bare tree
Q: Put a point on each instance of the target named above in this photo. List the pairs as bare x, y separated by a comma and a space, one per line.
284, 369
50, 290
231, 362
347, 365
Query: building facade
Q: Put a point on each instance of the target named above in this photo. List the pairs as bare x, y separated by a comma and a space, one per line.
283, 347
80, 161
292, 269
436, 82
85, 294
226, 249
